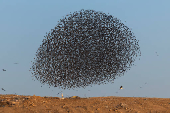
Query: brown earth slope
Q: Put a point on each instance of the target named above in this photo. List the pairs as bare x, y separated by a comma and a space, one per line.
37, 104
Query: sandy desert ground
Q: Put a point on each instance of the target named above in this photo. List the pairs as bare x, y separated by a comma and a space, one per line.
75, 104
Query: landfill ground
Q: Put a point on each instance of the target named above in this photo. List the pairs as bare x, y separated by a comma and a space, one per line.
75, 104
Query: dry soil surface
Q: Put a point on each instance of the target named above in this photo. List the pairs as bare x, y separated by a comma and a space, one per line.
37, 104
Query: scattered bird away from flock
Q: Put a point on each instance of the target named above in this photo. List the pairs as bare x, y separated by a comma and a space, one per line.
3, 89
3, 69
156, 53
142, 86
59, 93
121, 87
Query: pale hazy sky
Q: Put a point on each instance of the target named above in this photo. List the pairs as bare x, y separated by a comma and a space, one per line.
24, 23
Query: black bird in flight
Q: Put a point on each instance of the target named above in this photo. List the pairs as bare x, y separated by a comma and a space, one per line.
15, 63
156, 53
3, 89
3, 69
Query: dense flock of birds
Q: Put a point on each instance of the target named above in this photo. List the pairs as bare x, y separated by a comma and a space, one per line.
85, 48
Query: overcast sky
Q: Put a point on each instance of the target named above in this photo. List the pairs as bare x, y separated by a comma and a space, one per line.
24, 23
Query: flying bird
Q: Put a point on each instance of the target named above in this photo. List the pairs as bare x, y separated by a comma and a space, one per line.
59, 93
3, 69
3, 89
156, 53
15, 63
121, 87
145, 84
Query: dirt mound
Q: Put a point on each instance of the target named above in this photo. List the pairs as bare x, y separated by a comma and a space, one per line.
75, 104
